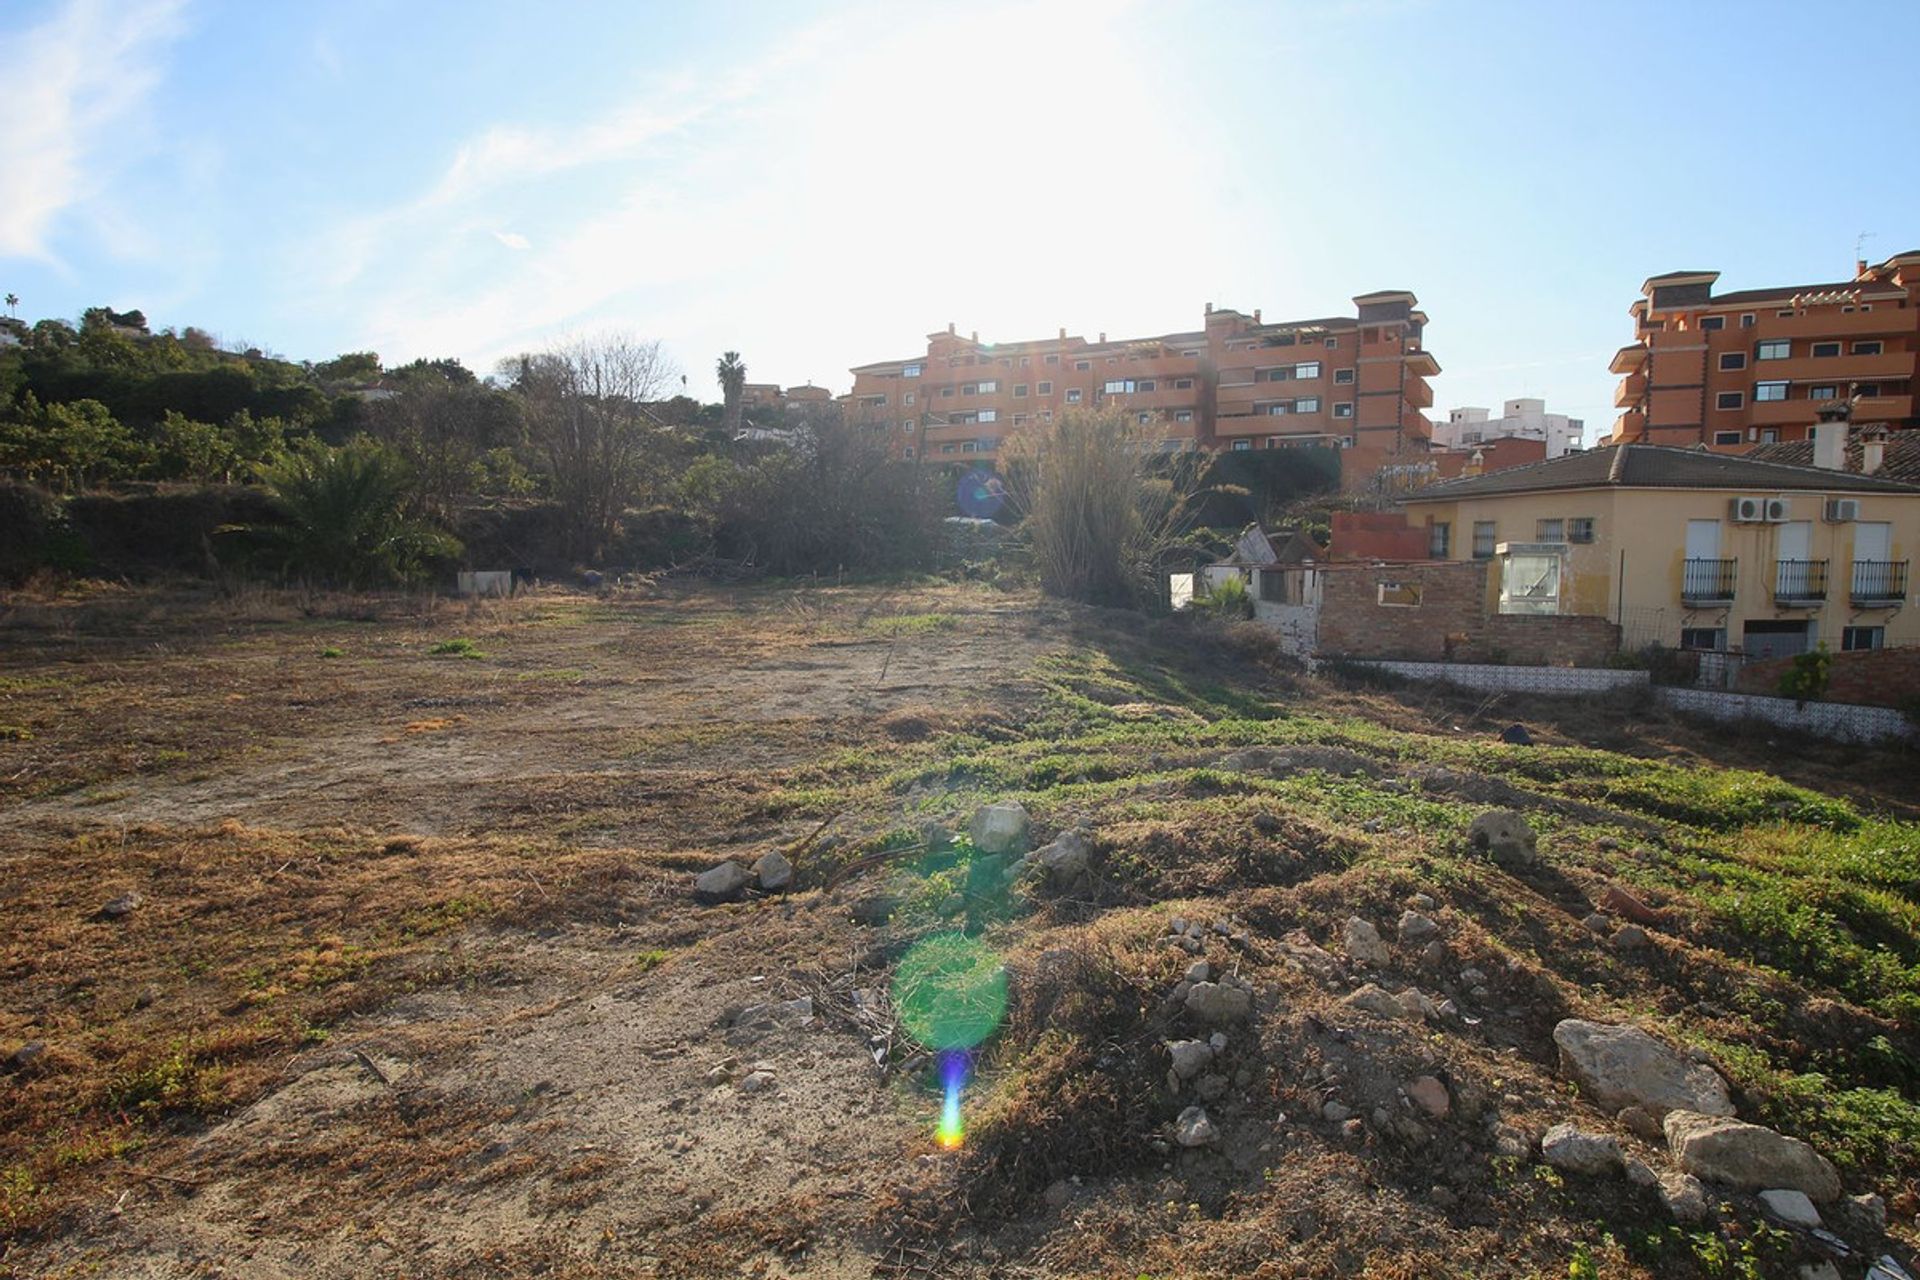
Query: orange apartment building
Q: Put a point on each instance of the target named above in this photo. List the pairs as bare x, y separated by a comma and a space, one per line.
1236, 383
1733, 370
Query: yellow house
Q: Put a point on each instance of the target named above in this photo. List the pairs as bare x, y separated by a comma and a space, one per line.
1689, 549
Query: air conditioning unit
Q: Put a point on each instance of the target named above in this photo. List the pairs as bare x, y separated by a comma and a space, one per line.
1747, 510
1842, 510
1779, 510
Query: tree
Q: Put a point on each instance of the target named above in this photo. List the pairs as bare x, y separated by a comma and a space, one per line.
1100, 507
68, 447
733, 381
449, 432
13, 303
586, 410
342, 520
189, 450
353, 367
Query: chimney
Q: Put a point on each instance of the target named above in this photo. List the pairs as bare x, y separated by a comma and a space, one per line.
1209, 308
1873, 450
976, 336
1103, 335
1830, 446
949, 326
1256, 315
1859, 268
1063, 333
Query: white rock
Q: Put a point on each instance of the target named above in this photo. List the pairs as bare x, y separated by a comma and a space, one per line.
1194, 1129
1685, 1198
756, 1082
1748, 1156
1190, 1057
1503, 835
1218, 1002
1568, 1148
1000, 828
722, 883
774, 870
1364, 944
1791, 1207
1416, 929
1067, 859
1623, 1066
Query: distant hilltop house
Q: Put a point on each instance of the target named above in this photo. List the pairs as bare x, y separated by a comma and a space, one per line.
1237, 383
1732, 370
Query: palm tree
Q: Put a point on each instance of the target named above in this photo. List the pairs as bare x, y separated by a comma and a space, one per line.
733, 380
13, 303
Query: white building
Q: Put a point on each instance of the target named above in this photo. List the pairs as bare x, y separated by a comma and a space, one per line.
1527, 418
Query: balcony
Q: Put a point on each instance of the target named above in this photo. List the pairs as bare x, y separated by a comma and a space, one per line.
1631, 391
1708, 582
1799, 582
1879, 584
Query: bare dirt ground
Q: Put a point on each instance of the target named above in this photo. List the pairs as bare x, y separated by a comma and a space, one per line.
414, 984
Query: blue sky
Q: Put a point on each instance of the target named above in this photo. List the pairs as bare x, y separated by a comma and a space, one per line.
819, 185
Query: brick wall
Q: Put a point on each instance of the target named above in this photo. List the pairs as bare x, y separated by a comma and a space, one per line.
1876, 678
1450, 622
1376, 535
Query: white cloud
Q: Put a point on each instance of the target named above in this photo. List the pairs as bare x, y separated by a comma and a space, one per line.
68, 83
513, 240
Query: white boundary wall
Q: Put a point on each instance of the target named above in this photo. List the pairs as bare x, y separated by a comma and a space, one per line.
1489, 678
1839, 720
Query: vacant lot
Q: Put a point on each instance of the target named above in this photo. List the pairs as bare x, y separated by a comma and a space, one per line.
403, 975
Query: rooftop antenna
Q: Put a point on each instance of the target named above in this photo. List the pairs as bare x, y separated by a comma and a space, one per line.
1860, 245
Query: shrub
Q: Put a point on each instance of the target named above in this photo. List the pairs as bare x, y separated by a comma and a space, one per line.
1102, 511
1809, 675
1226, 599
342, 520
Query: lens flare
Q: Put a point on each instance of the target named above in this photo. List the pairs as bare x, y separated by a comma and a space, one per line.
953, 1077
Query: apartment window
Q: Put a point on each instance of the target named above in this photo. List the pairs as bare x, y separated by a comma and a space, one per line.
1311, 369
1343, 377
1279, 375
1769, 435
1549, 530
1730, 400
1746, 320
1703, 639
1344, 409
1439, 539
1826, 349
1827, 391
1083, 364
1025, 361
1866, 389
1183, 415
1867, 348
1243, 446
1143, 417
907, 453
1713, 324
1726, 437
1073, 395
946, 448
1053, 360
966, 446
946, 393
1333, 342
1307, 404
1731, 360
910, 370
1580, 529
971, 388
873, 401
1279, 410
1147, 384
907, 398
988, 445
1774, 350
906, 426
1046, 388
1785, 315
1019, 419
1046, 415
1183, 384
1019, 390
1118, 387
1763, 391
988, 415
1484, 536
1286, 340
1856, 639
989, 388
